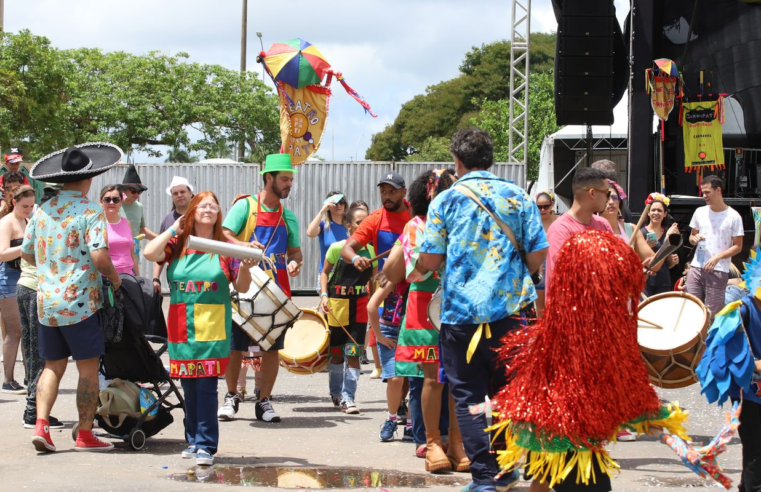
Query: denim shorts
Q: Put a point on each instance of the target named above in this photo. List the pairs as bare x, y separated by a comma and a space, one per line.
81, 341
388, 355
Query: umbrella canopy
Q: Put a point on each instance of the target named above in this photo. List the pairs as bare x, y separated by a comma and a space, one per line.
667, 66
296, 63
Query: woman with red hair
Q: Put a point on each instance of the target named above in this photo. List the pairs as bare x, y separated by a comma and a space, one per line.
199, 324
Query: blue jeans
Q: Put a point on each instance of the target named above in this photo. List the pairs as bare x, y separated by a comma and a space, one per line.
342, 380
470, 383
416, 410
201, 424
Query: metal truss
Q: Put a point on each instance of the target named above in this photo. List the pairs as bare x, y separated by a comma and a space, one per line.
519, 71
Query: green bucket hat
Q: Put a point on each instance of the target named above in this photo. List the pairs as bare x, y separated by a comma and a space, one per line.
278, 162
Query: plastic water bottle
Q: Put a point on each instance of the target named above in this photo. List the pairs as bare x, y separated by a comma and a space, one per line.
702, 252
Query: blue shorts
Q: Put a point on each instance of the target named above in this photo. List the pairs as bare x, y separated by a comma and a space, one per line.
241, 341
80, 341
388, 355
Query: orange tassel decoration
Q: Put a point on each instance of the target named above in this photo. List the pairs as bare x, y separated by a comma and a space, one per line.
577, 375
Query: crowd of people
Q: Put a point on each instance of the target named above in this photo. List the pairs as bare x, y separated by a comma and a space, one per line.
464, 236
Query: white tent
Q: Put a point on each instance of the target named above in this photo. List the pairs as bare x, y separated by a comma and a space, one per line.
574, 137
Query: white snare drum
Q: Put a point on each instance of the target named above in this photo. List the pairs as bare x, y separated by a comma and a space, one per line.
263, 312
434, 310
671, 333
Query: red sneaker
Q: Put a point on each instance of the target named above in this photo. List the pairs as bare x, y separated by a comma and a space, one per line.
86, 441
421, 450
41, 438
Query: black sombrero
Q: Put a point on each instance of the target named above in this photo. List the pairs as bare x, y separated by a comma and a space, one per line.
132, 179
77, 163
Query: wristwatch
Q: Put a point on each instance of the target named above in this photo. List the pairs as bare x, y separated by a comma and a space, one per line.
156, 279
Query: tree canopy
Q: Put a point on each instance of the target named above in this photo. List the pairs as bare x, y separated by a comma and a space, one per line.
479, 95
52, 98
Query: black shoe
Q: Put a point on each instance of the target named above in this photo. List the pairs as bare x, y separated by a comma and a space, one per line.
402, 411
30, 422
265, 412
364, 360
13, 388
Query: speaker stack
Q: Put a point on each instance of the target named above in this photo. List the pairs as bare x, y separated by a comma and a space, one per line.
584, 63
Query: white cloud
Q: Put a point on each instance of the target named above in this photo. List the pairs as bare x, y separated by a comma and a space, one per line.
389, 50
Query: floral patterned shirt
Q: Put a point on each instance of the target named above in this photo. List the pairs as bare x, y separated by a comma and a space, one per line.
61, 234
485, 278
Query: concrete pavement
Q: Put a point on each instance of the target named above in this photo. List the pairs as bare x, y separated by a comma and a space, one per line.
312, 435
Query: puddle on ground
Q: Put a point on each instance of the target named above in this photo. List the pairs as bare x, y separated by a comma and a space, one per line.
676, 482
285, 477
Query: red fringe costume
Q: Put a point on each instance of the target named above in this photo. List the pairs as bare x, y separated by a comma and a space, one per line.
576, 376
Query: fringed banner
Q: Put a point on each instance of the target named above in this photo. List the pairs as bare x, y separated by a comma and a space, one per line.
703, 143
303, 115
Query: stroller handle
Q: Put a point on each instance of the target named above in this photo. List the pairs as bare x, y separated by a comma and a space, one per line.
156, 339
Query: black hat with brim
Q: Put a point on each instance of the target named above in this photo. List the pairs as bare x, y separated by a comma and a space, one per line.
132, 180
78, 163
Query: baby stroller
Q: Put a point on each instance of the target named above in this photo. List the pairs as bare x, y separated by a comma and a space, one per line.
129, 356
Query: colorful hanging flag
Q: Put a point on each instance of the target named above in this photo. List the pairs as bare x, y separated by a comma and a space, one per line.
303, 114
297, 69
662, 95
703, 143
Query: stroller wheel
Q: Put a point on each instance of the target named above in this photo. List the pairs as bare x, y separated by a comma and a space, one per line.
137, 439
74, 432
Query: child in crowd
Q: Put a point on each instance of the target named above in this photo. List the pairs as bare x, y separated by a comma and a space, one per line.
386, 330
253, 359
343, 298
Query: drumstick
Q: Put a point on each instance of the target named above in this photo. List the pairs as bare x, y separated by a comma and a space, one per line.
380, 256
343, 328
652, 325
639, 224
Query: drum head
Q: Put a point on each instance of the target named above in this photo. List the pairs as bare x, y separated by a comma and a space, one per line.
308, 334
680, 319
434, 310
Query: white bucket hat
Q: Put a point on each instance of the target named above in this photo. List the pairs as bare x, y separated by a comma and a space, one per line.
179, 181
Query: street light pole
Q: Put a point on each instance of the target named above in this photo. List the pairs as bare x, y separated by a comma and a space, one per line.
243, 34
2, 15
259, 35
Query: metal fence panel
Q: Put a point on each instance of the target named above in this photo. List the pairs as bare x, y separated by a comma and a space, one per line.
356, 180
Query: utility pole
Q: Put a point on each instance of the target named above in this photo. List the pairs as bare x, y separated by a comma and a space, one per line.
2, 15
243, 29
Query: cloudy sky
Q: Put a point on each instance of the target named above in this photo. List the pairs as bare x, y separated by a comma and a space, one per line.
388, 50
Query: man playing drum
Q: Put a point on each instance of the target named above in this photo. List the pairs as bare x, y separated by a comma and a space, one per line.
263, 222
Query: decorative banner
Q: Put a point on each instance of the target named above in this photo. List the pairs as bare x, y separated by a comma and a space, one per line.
757, 222
303, 114
297, 69
662, 95
703, 143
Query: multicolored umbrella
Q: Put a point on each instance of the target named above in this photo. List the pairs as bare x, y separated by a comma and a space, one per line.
667, 66
296, 63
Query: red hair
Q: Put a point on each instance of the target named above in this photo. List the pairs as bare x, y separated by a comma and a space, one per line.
190, 223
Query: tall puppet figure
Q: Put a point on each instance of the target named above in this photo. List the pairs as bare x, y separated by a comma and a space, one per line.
576, 377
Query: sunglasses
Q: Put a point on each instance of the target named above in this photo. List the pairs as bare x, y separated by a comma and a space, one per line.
544, 207
111, 199
607, 192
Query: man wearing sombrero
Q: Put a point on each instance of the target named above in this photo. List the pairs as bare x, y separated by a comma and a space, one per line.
66, 239
14, 160
132, 210
262, 222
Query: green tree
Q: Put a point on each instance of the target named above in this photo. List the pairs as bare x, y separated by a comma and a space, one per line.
177, 154
53, 98
434, 149
453, 104
495, 118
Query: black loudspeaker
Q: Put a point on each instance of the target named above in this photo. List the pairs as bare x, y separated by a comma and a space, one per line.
584, 63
